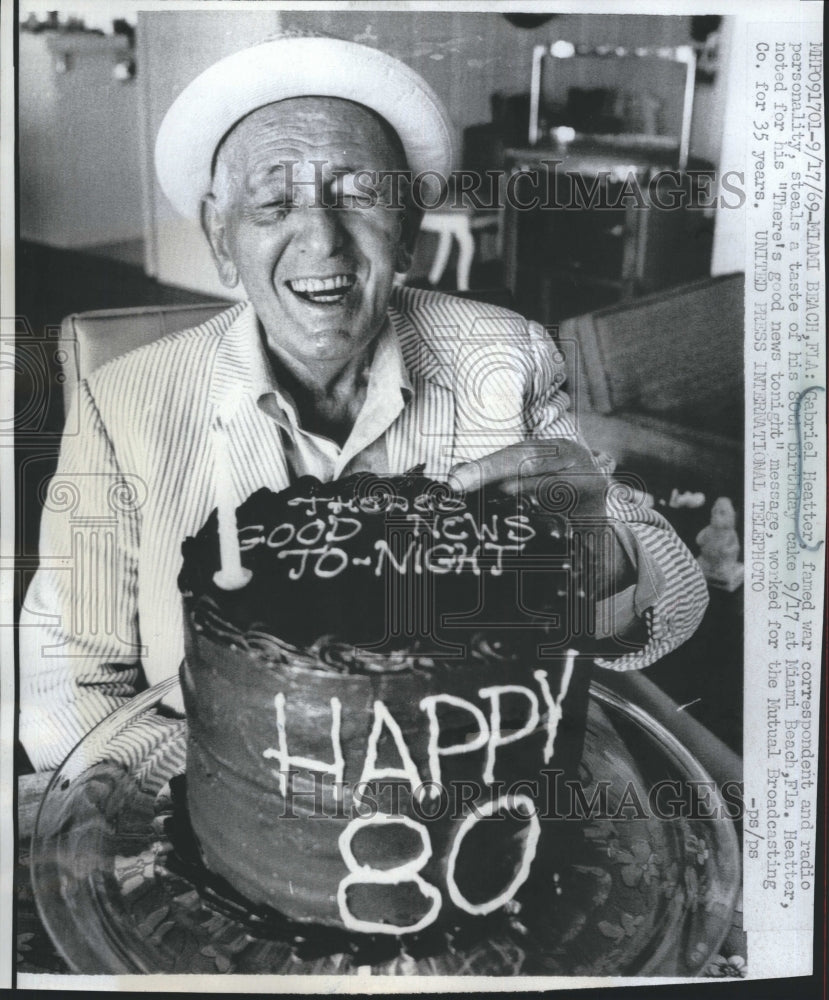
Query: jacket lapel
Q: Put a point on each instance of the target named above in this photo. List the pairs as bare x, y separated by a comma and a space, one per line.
255, 451
424, 433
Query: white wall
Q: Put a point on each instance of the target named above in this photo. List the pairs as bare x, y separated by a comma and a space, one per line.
80, 154
728, 253
465, 56
173, 48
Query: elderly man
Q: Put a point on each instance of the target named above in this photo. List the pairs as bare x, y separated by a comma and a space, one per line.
285, 152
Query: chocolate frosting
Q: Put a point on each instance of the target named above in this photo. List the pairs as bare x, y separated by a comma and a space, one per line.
398, 565
370, 600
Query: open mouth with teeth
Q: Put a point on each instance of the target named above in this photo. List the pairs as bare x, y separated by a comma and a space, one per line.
323, 291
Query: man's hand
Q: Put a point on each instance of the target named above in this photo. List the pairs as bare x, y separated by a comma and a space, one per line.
559, 475
538, 470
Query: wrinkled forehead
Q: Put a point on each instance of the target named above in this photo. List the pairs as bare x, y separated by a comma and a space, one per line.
338, 131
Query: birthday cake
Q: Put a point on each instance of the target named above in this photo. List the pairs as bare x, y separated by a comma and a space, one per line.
375, 718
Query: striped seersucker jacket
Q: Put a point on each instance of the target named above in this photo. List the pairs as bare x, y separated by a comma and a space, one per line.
136, 476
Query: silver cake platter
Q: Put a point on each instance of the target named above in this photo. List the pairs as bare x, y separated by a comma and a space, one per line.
119, 887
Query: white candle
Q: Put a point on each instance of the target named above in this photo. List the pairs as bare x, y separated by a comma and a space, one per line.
232, 575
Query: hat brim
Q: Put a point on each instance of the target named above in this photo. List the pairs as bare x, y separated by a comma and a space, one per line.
283, 68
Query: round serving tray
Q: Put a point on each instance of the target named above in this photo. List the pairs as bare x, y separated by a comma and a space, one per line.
119, 884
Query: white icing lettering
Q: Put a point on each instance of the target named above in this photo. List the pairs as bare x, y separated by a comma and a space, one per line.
295, 572
429, 706
382, 546
554, 709
276, 539
420, 526
338, 505
499, 550
447, 504
481, 529
316, 529
324, 537
520, 529
311, 501
435, 562
364, 875
348, 526
495, 738
330, 563
372, 505
450, 522
515, 803
467, 557
250, 542
407, 771
427, 502
286, 759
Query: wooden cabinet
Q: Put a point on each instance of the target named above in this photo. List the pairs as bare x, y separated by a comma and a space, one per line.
588, 226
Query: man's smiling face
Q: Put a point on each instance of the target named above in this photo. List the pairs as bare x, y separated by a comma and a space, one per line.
319, 277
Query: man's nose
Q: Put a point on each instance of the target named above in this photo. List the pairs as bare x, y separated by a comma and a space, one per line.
320, 230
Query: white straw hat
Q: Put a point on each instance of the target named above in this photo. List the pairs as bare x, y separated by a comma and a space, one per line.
294, 65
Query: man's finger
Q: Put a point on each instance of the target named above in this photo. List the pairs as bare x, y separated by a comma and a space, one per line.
528, 458
570, 493
582, 480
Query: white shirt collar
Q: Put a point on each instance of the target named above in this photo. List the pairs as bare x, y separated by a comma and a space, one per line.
388, 390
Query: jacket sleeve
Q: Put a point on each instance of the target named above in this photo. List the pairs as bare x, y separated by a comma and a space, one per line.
670, 595
79, 643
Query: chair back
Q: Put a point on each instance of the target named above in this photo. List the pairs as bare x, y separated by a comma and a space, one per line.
664, 352
658, 383
90, 339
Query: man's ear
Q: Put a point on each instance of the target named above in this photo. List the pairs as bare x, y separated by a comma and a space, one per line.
212, 223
